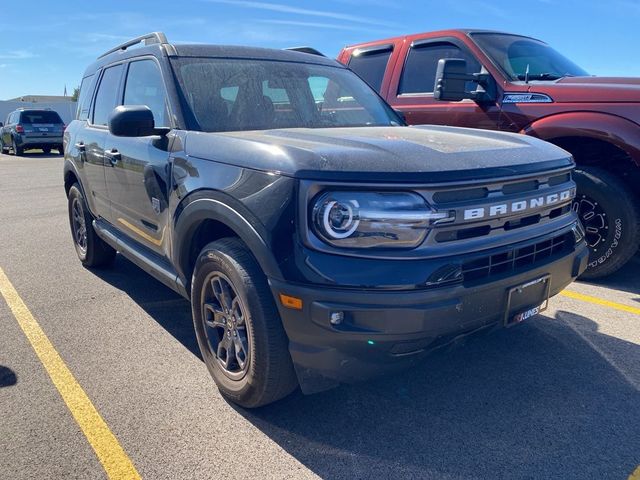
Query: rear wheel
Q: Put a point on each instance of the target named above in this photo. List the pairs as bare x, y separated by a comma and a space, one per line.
3, 147
19, 151
91, 249
610, 214
238, 328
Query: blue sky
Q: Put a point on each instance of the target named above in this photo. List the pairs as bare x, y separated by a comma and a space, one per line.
51, 43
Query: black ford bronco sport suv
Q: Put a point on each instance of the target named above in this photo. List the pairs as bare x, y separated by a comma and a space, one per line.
318, 239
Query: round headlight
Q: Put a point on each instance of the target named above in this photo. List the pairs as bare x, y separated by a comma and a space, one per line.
340, 219
361, 219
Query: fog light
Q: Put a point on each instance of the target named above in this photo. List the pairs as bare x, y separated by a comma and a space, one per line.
336, 318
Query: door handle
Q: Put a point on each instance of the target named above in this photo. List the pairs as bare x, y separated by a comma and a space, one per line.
81, 151
113, 156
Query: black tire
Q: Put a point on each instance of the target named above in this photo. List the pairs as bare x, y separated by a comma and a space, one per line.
3, 147
91, 249
267, 374
18, 151
47, 150
610, 214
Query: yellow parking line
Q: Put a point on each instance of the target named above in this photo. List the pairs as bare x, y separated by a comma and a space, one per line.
635, 475
600, 301
113, 458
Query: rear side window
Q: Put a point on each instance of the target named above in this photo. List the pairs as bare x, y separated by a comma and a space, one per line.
84, 100
145, 87
370, 66
40, 117
419, 74
106, 98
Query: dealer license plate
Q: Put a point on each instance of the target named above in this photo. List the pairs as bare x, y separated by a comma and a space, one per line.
527, 300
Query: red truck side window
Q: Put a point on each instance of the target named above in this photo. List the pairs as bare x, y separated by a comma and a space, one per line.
419, 73
371, 65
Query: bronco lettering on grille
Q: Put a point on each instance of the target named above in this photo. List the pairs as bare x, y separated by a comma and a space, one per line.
520, 206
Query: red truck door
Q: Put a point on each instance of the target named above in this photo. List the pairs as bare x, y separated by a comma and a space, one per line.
412, 83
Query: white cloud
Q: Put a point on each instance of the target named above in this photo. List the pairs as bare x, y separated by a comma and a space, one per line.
331, 26
17, 55
278, 7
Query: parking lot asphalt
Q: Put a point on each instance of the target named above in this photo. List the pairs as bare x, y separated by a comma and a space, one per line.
555, 397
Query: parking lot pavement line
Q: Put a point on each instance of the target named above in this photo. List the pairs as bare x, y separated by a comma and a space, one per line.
636, 474
112, 456
600, 301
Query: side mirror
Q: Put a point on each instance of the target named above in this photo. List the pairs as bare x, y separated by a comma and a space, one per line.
134, 121
451, 80
451, 77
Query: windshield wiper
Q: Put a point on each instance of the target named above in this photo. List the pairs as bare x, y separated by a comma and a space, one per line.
539, 76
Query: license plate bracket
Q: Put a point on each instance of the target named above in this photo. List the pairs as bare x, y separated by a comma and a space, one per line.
526, 300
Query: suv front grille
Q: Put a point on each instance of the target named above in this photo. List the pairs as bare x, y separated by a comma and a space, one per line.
515, 259
496, 208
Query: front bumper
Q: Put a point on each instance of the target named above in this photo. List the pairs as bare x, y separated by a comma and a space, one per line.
386, 330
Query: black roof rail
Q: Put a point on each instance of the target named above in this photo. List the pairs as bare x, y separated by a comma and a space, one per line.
309, 50
148, 39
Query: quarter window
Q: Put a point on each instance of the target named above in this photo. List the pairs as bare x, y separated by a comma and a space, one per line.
419, 75
370, 66
144, 86
84, 100
106, 98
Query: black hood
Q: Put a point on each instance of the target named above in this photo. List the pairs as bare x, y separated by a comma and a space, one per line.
426, 153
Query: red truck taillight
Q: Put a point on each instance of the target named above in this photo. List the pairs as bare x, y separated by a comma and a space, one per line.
19, 129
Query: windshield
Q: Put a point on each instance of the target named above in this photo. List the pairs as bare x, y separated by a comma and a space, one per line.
40, 117
234, 95
524, 58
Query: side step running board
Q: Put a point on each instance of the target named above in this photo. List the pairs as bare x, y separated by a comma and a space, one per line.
147, 260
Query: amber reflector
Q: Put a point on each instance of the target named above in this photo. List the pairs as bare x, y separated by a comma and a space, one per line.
291, 302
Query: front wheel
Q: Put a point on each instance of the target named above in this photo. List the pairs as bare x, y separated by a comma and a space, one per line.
91, 249
239, 331
610, 214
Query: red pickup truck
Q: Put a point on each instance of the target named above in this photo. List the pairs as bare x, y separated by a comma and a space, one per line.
499, 81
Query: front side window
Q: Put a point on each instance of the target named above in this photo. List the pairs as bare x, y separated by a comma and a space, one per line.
144, 86
522, 58
232, 95
370, 66
106, 98
419, 74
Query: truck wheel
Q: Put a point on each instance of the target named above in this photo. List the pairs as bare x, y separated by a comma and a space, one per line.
610, 214
91, 249
239, 331
16, 150
3, 147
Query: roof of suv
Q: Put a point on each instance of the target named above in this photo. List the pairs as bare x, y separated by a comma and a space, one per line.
155, 44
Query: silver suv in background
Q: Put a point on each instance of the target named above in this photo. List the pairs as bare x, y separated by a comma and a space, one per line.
28, 129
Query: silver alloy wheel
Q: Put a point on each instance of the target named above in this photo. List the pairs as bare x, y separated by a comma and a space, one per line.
79, 225
225, 326
594, 220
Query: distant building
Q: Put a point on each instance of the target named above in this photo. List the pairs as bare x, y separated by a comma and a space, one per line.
65, 107
41, 99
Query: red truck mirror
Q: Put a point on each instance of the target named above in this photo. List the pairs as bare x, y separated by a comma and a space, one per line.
451, 80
